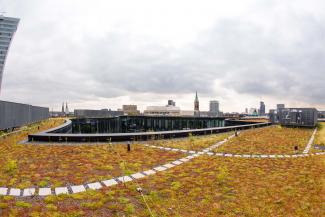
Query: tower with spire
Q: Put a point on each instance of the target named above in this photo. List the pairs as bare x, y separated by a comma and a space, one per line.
196, 105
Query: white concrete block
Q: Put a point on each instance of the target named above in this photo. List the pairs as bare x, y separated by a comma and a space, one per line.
177, 162
192, 152
138, 176
44, 191
228, 155
28, 192
61, 190
184, 159
95, 185
14, 192
3, 191
110, 182
168, 165
149, 172
125, 179
160, 168
219, 154
78, 188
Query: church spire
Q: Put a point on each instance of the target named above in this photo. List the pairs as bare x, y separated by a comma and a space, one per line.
196, 104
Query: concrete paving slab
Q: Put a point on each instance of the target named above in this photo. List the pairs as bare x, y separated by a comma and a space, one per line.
160, 168
95, 185
78, 188
110, 182
125, 179
138, 176
3, 191
44, 191
61, 190
177, 162
184, 159
27, 192
149, 172
14, 192
169, 165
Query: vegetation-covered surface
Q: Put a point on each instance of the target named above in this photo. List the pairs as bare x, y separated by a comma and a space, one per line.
207, 186
195, 143
319, 138
270, 140
25, 166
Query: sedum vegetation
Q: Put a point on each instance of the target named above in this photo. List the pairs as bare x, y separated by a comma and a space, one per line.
270, 140
205, 186
25, 166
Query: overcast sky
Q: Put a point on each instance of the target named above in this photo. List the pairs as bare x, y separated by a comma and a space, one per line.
102, 54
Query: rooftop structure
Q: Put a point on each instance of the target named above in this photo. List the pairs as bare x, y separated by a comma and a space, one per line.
8, 27
301, 117
16, 114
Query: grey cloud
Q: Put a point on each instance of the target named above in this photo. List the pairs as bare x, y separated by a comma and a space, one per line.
49, 66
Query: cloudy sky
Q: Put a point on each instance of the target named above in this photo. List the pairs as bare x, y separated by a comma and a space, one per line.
102, 54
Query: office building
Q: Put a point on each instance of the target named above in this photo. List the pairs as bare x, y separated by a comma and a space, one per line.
162, 110
8, 27
280, 106
214, 106
130, 109
262, 109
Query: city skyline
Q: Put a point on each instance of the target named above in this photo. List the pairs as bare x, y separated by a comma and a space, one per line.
166, 56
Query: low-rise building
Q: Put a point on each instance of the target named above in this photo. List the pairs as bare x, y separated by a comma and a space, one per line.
130, 109
163, 110
301, 117
104, 113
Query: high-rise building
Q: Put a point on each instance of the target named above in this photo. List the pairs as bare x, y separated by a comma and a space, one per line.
62, 110
262, 108
8, 27
214, 107
66, 109
196, 105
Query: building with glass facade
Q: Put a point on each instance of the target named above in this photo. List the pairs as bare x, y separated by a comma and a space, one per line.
8, 27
